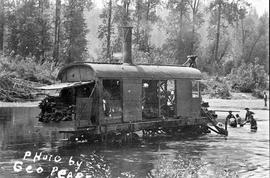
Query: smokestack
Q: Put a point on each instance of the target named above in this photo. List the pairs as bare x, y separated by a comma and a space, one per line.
127, 43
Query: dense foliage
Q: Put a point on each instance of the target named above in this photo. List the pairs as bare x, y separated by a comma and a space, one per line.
32, 29
19, 76
28, 69
230, 38
248, 77
216, 87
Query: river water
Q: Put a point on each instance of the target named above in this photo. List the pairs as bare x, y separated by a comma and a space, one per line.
242, 154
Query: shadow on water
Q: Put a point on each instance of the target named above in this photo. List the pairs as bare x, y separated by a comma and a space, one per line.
205, 156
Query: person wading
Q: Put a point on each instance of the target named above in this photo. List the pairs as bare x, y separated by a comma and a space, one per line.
239, 120
231, 119
248, 114
265, 99
253, 123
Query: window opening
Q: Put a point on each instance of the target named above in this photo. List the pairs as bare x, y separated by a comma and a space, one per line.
167, 98
195, 89
150, 100
158, 98
112, 100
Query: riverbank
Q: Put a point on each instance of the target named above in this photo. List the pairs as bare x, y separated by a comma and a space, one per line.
237, 104
238, 101
19, 104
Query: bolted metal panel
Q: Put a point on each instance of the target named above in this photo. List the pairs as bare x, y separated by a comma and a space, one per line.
183, 97
196, 107
132, 106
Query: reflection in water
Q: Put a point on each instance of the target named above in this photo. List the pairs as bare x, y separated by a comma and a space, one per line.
242, 153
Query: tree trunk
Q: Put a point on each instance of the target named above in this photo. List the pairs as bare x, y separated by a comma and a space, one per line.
57, 31
193, 34
253, 46
181, 24
42, 33
194, 8
126, 15
243, 35
2, 25
137, 31
218, 31
146, 40
109, 31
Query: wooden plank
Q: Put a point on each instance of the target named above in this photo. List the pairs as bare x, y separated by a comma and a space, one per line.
83, 111
58, 126
196, 107
136, 126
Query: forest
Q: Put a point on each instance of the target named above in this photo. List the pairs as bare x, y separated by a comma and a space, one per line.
231, 40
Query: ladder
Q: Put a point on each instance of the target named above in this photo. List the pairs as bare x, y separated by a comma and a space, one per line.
213, 121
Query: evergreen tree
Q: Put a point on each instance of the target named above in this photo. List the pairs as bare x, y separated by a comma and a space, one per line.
178, 28
75, 30
2, 24
115, 15
144, 17
224, 13
28, 29
57, 22
106, 30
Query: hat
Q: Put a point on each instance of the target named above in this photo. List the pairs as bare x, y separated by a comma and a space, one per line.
230, 111
246, 108
237, 115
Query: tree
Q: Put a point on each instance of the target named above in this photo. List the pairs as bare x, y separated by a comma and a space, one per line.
2, 25
28, 29
196, 21
122, 17
109, 30
114, 16
57, 31
260, 32
225, 13
75, 30
219, 2
106, 30
144, 17
43, 22
178, 29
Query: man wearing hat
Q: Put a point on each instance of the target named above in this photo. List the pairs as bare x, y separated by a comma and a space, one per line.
191, 61
232, 120
248, 115
239, 120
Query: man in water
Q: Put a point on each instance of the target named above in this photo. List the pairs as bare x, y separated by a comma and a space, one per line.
232, 120
248, 114
253, 123
239, 120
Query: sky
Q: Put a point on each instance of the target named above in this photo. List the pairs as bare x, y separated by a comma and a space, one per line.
260, 5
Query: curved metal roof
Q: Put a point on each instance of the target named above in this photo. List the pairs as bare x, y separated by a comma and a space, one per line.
137, 71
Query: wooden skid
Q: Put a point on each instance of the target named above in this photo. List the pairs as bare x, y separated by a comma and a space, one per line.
136, 126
